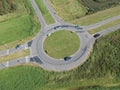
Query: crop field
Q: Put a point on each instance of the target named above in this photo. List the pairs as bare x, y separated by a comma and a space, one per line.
100, 71
46, 14
19, 26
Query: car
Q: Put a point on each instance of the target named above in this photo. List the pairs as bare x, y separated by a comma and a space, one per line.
78, 27
48, 34
19, 46
30, 43
65, 26
67, 58
56, 27
96, 35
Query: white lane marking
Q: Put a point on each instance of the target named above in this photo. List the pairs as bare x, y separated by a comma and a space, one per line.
7, 63
7, 51
26, 47
27, 60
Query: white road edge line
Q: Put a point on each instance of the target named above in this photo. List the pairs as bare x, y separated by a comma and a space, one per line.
7, 63
7, 51
27, 60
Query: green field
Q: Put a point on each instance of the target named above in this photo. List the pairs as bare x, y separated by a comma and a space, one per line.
47, 16
19, 25
61, 44
100, 72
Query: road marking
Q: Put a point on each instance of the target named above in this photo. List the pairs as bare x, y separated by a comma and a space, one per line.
8, 51
7, 63
26, 47
27, 60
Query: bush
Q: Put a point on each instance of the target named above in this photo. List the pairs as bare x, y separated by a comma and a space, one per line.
7, 6
97, 5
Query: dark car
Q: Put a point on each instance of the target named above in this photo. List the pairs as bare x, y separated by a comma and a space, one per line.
65, 26
96, 35
56, 27
78, 27
67, 58
29, 43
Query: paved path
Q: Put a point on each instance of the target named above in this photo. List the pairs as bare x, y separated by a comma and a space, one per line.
52, 12
39, 14
39, 56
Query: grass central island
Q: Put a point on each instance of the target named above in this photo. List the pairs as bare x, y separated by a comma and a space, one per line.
61, 43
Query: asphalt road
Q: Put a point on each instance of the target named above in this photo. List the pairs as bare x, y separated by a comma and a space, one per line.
52, 12
13, 50
39, 56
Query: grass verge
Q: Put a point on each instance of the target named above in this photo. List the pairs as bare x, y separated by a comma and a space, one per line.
45, 12
104, 26
99, 16
15, 55
61, 44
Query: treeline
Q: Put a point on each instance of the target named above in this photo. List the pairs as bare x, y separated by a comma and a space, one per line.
99, 0
7, 6
97, 5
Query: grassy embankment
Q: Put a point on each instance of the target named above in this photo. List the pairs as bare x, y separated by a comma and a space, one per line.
47, 16
61, 44
19, 26
100, 71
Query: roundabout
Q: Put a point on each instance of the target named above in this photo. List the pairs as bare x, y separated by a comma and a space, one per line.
36, 45
59, 64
